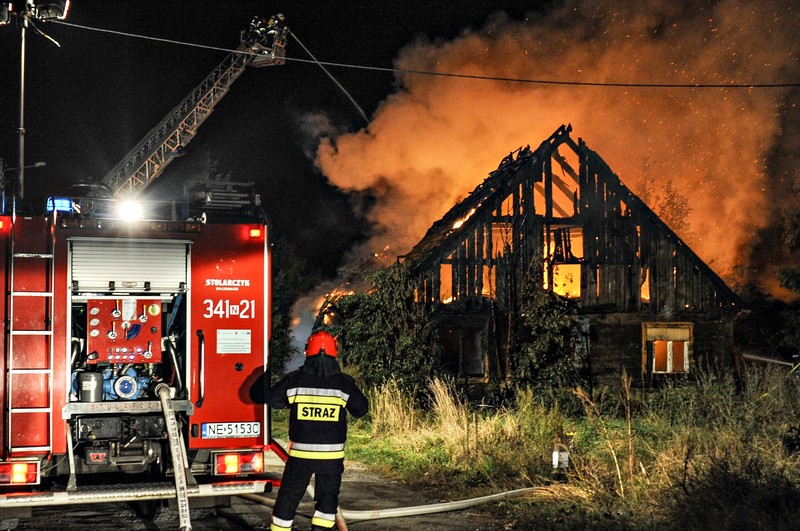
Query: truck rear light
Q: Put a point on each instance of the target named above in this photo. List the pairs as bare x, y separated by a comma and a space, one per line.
238, 463
255, 232
20, 473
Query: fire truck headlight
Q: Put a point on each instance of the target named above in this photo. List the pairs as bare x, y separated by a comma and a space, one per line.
131, 210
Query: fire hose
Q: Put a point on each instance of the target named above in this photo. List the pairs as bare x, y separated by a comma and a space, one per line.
176, 449
398, 512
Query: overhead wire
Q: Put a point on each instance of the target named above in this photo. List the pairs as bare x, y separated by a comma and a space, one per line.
610, 84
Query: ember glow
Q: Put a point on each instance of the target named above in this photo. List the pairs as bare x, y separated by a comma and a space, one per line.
323, 308
714, 144
306, 311
463, 220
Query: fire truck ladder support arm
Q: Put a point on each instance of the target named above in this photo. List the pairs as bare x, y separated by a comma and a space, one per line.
167, 140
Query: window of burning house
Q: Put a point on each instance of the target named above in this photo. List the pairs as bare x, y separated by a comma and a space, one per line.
446, 283
566, 280
565, 253
462, 354
488, 289
644, 290
667, 347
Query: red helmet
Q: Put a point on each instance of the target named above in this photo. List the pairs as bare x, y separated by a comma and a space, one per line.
321, 341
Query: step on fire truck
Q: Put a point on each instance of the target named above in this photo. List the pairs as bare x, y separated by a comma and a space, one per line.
132, 340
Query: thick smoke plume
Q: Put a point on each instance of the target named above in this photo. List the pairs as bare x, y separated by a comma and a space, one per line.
432, 141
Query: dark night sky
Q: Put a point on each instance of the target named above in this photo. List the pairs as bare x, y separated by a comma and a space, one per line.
91, 100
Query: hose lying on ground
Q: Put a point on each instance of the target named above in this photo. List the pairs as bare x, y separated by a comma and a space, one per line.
416, 510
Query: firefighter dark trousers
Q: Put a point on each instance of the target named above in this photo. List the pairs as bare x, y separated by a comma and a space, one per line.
296, 477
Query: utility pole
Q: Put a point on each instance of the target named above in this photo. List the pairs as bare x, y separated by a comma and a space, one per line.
24, 15
28, 10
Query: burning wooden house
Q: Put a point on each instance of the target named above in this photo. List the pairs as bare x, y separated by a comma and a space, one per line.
558, 217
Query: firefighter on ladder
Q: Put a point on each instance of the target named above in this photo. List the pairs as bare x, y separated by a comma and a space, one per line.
319, 396
276, 28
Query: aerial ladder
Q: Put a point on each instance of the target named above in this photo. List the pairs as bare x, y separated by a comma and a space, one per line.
262, 44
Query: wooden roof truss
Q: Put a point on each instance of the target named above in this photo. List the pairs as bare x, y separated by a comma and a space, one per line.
553, 214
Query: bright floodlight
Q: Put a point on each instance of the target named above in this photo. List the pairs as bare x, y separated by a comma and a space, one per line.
131, 210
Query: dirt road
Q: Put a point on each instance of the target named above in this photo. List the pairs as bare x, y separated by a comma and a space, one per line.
361, 491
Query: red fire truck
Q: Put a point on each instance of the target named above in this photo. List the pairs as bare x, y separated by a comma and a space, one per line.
133, 339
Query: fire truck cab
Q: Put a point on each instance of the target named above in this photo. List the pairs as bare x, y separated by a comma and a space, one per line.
132, 342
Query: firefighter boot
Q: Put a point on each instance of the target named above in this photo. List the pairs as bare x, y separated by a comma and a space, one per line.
323, 522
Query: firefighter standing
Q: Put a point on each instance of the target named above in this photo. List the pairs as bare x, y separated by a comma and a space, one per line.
319, 396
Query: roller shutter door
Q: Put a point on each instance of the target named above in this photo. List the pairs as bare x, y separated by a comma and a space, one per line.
129, 264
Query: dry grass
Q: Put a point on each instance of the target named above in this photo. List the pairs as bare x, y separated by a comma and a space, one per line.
467, 433
480, 440
682, 454
392, 410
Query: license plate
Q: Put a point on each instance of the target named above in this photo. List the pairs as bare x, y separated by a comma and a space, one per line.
230, 430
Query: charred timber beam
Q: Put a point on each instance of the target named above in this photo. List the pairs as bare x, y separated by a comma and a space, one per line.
569, 170
480, 255
553, 205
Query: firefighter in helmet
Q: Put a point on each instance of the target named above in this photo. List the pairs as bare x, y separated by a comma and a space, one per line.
276, 30
319, 396
257, 30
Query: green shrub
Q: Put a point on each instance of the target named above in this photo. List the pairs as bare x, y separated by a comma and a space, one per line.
386, 335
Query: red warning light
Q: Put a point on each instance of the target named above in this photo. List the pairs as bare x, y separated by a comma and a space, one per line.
239, 463
20, 473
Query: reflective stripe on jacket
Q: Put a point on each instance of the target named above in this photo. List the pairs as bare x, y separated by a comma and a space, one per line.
318, 412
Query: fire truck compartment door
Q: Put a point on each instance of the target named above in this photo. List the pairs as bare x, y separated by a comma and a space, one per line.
229, 316
132, 265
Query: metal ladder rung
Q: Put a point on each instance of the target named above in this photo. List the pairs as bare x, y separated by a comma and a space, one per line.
33, 255
31, 293
40, 370
31, 448
31, 332
30, 410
